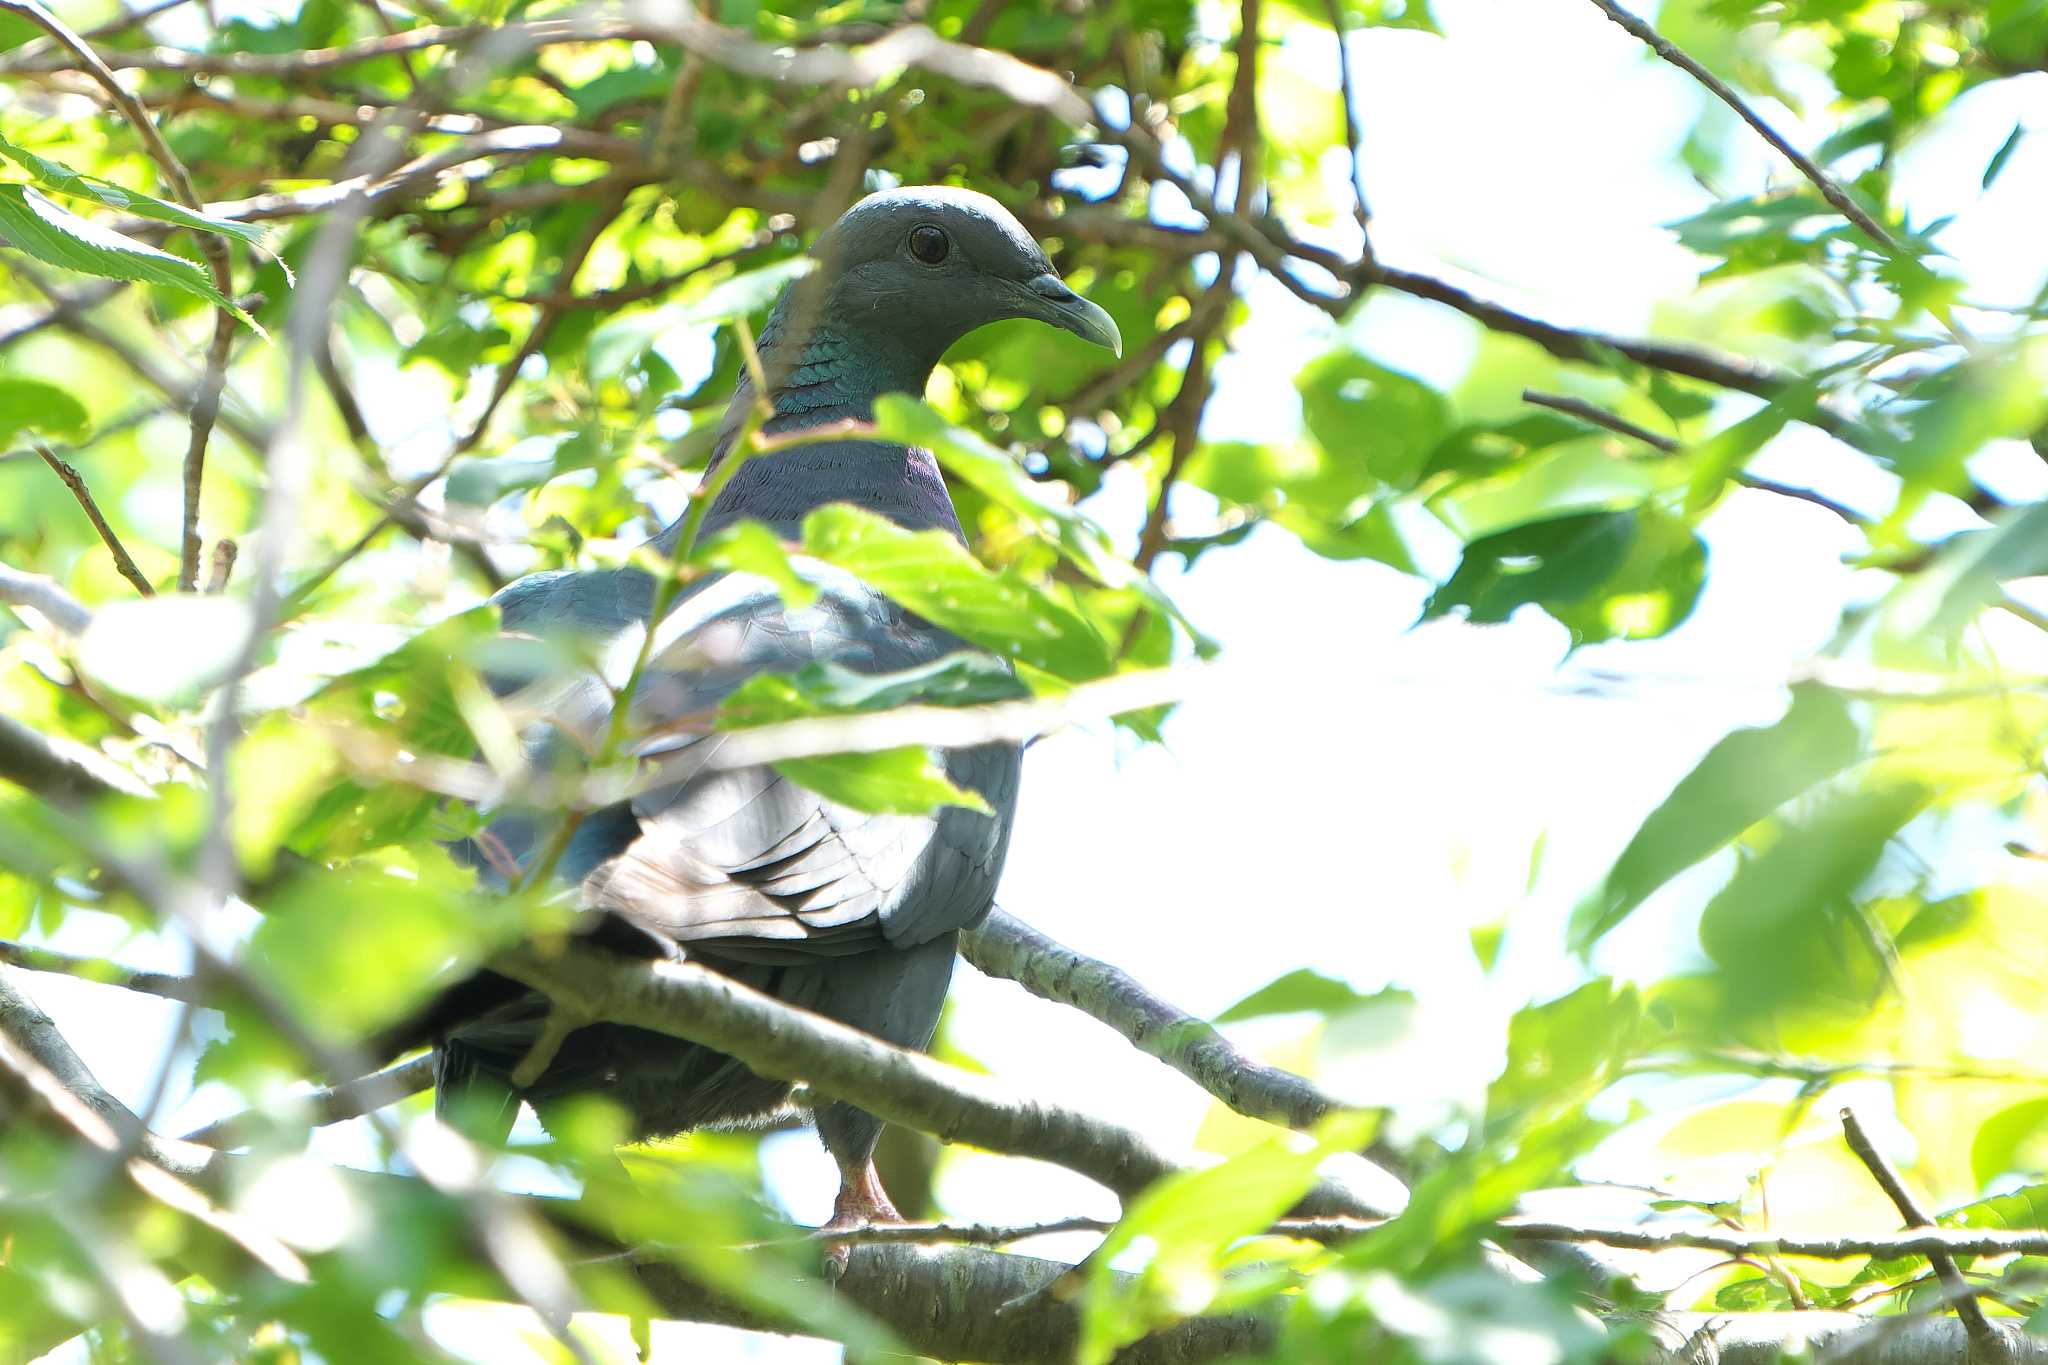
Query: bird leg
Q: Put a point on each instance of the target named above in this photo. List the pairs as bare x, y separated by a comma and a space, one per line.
861, 1203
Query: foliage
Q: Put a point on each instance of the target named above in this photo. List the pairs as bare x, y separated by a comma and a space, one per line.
562, 247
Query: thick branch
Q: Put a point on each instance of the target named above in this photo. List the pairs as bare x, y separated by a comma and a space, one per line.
950, 1304
1005, 946
45, 595
58, 769
906, 1088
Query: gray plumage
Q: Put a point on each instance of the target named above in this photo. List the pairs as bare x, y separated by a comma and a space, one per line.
852, 915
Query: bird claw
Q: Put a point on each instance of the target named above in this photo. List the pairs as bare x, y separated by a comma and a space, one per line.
862, 1203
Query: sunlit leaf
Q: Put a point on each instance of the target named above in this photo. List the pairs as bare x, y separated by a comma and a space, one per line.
1741, 780
928, 572
54, 176
37, 227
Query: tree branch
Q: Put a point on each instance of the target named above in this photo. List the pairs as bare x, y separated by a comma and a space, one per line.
1983, 1337
75, 481
169, 986
45, 595
213, 245
60, 770
907, 1088
1830, 190
1006, 946
329, 1104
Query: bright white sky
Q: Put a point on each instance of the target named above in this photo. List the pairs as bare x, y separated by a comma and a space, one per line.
1355, 795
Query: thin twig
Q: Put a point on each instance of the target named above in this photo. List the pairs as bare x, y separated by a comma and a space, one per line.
1599, 417
76, 483
225, 552
1829, 188
169, 986
1361, 208
213, 245
329, 1104
1983, 1337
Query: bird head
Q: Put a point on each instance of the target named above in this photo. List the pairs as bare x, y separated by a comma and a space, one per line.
939, 262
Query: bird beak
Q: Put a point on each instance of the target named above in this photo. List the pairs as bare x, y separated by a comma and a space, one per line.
1054, 302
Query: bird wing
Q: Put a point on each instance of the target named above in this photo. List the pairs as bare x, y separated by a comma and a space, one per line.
744, 862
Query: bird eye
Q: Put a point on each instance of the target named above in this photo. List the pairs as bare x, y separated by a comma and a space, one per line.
929, 244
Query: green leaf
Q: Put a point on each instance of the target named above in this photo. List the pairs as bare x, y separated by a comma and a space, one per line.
34, 225
1650, 592
1563, 1052
2013, 1139
2003, 154
31, 405
2021, 1210
357, 946
1721, 456
1742, 779
1995, 392
1783, 930
1551, 563
964, 678
998, 478
931, 574
750, 547
901, 781
1302, 990
62, 179
1381, 420
1184, 1224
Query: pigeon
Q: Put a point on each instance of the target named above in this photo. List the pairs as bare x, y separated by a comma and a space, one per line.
852, 915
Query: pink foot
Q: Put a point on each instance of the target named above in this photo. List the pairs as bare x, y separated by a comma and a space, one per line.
862, 1203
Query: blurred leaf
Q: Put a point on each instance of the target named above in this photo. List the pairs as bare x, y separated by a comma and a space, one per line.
1649, 593
356, 947
1996, 165
617, 343
1301, 990
1783, 928
2013, 1139
998, 478
55, 236
31, 405
1182, 1225
1955, 412
902, 781
1553, 564
750, 547
1563, 1052
1742, 779
1363, 413
169, 649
